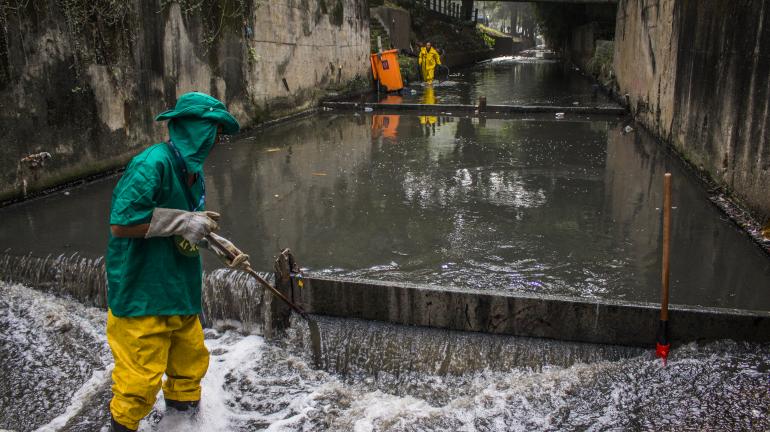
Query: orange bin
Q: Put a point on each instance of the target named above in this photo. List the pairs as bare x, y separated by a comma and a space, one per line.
385, 69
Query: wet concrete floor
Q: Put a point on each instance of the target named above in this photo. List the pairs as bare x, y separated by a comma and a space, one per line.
525, 204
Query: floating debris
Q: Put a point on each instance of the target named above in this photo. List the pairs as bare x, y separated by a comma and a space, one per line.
36, 160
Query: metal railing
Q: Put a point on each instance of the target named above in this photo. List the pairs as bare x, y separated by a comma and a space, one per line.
449, 8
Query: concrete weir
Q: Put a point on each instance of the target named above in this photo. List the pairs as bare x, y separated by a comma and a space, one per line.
459, 108
563, 318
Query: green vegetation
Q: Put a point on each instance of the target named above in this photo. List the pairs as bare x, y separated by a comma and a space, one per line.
490, 31
600, 65
489, 40
101, 29
216, 16
409, 68
517, 19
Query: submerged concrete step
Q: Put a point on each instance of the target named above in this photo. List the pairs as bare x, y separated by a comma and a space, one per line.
490, 109
563, 318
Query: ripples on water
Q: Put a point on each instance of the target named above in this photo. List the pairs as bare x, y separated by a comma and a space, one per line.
379, 377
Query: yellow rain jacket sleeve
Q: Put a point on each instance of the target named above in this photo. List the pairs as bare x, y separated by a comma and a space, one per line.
144, 349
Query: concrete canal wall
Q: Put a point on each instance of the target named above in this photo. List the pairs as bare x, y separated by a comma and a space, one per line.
83, 80
696, 74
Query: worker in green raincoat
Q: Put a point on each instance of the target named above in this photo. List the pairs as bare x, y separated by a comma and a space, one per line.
157, 225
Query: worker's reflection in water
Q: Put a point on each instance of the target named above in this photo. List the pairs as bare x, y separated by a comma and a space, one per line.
429, 98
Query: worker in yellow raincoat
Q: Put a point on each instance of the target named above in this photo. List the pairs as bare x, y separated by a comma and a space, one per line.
428, 60
157, 224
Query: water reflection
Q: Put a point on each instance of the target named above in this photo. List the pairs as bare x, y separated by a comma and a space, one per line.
384, 125
524, 205
512, 81
429, 121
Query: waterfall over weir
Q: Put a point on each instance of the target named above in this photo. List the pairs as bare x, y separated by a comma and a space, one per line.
366, 375
73, 276
233, 300
227, 295
351, 347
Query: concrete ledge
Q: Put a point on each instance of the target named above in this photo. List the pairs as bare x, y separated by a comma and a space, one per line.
458, 108
563, 318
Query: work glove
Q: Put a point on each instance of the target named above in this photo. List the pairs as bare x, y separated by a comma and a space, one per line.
193, 226
240, 260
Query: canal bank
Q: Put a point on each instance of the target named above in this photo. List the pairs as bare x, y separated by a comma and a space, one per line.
86, 104
696, 76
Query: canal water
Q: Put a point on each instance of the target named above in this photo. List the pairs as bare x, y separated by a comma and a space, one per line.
379, 377
525, 204
511, 80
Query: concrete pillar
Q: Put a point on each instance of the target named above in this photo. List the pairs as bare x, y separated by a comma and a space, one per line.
467, 10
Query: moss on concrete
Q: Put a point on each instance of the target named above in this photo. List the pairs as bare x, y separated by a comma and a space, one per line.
337, 15
600, 65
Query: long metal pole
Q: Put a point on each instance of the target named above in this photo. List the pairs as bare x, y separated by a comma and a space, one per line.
666, 245
663, 344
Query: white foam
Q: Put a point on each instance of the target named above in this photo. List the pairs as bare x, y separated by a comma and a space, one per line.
214, 414
85, 395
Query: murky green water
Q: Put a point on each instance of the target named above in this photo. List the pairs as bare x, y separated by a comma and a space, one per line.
526, 204
507, 81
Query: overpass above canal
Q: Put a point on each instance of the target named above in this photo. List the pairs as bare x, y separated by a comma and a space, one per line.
468, 6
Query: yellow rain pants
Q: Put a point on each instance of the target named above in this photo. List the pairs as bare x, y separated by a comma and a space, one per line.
144, 349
